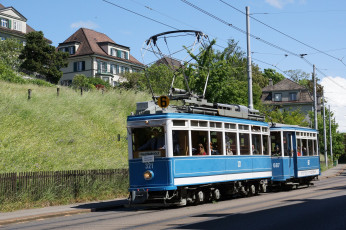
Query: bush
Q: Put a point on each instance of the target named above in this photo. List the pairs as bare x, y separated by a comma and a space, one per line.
9, 75
97, 82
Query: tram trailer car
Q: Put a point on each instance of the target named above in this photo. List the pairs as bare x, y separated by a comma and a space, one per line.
295, 158
167, 163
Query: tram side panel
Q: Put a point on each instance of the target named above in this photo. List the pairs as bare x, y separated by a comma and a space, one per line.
308, 166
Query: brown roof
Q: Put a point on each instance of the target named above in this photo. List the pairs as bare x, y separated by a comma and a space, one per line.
174, 64
284, 85
1, 6
89, 44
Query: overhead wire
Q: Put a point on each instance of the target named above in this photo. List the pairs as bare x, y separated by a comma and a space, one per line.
303, 43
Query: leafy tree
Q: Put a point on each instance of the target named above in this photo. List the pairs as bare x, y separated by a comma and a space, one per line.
337, 137
227, 75
42, 58
275, 115
272, 74
10, 50
136, 81
81, 81
160, 77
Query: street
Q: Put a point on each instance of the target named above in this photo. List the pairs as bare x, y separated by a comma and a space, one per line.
322, 206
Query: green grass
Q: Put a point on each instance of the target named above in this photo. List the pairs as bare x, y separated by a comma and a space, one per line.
48, 133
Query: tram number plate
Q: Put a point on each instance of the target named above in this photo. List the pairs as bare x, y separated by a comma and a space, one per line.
148, 158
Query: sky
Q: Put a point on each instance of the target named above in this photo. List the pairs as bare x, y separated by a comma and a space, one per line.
286, 34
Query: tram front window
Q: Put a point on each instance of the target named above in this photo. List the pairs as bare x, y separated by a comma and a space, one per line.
310, 148
180, 143
150, 140
265, 145
288, 148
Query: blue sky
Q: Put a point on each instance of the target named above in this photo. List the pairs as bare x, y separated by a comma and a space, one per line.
316, 28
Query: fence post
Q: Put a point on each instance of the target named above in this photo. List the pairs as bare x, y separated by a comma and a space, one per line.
81, 91
29, 94
57, 91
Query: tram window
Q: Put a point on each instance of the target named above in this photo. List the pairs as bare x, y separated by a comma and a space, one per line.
244, 140
304, 147
256, 144
179, 123
299, 147
231, 143
315, 147
150, 139
288, 147
265, 145
264, 129
199, 123
310, 148
275, 143
243, 127
255, 128
216, 147
199, 138
215, 125
180, 142
230, 126
298, 134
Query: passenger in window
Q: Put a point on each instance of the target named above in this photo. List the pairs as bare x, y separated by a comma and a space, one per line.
201, 150
254, 150
277, 151
155, 143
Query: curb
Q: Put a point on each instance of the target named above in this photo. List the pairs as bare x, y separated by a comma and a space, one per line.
56, 214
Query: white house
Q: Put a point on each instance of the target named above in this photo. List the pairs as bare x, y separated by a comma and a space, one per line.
94, 54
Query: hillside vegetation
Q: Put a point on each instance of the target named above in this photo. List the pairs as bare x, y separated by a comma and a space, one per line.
67, 132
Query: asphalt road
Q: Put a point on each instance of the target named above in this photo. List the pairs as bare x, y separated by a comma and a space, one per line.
322, 206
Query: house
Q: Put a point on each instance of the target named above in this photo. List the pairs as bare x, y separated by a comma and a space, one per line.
13, 24
287, 95
94, 54
170, 62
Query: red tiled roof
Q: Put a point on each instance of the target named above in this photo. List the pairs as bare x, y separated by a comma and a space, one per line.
89, 44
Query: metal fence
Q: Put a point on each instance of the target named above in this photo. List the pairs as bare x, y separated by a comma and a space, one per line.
71, 181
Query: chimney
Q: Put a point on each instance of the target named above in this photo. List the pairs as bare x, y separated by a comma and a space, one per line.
270, 82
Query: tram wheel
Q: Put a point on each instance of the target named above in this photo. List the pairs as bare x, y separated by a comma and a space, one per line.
200, 197
216, 194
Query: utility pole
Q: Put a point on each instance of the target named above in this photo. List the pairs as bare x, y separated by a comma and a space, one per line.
249, 70
330, 136
315, 96
324, 132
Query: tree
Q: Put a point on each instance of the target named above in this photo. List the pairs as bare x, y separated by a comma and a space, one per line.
272, 74
136, 81
10, 50
42, 58
227, 75
81, 81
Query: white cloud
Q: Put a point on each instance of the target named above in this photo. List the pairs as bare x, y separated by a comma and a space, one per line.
84, 24
279, 3
335, 94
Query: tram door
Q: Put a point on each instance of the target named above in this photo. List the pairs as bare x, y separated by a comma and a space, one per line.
289, 152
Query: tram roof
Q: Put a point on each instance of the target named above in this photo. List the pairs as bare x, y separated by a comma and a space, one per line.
190, 116
292, 128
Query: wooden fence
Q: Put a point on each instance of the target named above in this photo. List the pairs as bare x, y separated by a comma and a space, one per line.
72, 181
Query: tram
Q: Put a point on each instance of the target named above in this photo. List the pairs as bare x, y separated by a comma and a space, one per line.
195, 152
295, 158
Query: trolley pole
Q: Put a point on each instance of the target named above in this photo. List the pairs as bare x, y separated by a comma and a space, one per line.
249, 70
330, 136
324, 132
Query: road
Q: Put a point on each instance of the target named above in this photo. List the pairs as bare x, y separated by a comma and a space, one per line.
322, 206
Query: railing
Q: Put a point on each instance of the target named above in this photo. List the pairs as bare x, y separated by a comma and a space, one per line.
72, 182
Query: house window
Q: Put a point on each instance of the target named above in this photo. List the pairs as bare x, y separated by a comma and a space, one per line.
72, 49
113, 70
5, 23
293, 97
127, 69
118, 69
122, 69
103, 67
79, 66
113, 52
277, 97
17, 25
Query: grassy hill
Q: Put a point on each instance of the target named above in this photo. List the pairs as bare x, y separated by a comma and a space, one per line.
63, 133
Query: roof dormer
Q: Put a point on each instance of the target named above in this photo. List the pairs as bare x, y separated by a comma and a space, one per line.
70, 47
115, 50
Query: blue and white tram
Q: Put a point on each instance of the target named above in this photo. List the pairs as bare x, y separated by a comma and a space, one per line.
166, 158
295, 158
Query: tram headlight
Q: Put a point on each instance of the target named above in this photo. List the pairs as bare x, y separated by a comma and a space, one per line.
148, 175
